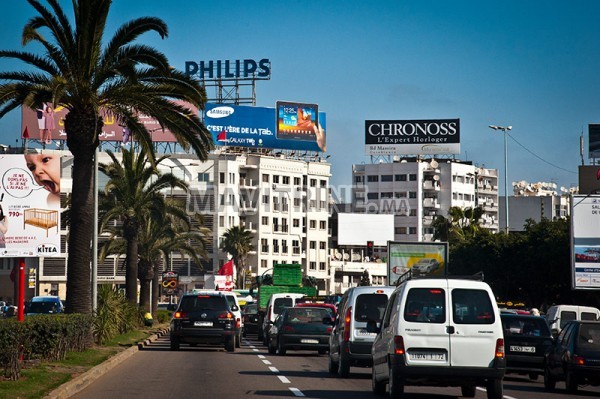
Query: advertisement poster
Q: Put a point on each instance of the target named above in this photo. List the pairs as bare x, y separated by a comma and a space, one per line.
585, 246
30, 205
423, 258
170, 282
256, 127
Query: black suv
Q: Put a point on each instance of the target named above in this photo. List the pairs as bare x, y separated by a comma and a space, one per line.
575, 356
203, 319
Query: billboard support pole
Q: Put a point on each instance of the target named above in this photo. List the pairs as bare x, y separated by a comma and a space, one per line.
21, 291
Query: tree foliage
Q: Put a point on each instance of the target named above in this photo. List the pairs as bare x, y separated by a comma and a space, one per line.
237, 241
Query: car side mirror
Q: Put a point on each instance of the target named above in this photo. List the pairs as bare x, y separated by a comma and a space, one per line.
235, 308
372, 327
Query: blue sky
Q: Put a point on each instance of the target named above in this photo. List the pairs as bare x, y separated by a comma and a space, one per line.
534, 65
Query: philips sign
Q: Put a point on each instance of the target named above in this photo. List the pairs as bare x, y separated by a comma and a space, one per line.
229, 69
436, 136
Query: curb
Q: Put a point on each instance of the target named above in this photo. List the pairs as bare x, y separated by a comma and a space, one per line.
80, 382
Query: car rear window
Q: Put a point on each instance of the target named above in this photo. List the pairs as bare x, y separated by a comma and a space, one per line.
567, 316
425, 305
472, 306
202, 302
588, 316
525, 326
307, 315
589, 337
281, 303
370, 307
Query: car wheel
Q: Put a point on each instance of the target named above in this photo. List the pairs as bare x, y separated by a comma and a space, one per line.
378, 387
280, 348
494, 389
272, 349
549, 381
468, 391
396, 385
571, 382
265, 339
333, 366
230, 344
343, 365
174, 345
533, 376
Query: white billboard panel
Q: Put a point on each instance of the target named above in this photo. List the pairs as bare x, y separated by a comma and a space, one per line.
30, 205
358, 228
585, 241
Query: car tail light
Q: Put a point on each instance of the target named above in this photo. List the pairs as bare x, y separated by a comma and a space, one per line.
238, 322
500, 348
399, 345
328, 330
288, 329
180, 315
226, 316
347, 323
578, 360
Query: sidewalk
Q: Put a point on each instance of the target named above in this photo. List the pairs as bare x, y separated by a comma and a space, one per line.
80, 382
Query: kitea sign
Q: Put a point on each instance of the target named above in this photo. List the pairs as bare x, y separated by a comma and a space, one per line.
412, 137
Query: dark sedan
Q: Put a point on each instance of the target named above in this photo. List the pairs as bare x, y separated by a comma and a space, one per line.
526, 341
575, 356
250, 316
301, 328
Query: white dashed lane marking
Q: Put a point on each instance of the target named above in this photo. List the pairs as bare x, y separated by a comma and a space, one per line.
274, 370
296, 392
283, 379
265, 361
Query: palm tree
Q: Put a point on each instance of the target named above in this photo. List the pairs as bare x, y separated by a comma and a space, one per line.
133, 194
237, 241
461, 224
121, 78
157, 240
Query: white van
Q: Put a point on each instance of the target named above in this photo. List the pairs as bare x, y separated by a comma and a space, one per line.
350, 342
232, 300
439, 332
559, 315
275, 305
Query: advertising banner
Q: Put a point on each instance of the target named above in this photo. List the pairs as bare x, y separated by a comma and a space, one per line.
170, 282
47, 124
423, 258
257, 127
30, 205
585, 246
412, 137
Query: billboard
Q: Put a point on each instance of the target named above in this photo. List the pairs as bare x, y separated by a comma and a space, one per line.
358, 228
594, 141
589, 179
585, 242
30, 205
410, 137
423, 258
43, 125
256, 127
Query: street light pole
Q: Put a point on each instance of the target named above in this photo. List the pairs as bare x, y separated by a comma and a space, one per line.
504, 129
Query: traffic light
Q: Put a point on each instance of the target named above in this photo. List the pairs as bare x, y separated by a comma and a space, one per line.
370, 249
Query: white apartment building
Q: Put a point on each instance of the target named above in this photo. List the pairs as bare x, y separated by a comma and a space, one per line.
282, 200
416, 190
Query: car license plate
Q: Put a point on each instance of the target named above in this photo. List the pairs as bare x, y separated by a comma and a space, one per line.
309, 341
432, 356
528, 349
203, 324
364, 333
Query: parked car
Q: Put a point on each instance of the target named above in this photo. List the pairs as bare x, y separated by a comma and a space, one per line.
350, 342
301, 328
439, 332
250, 317
575, 356
426, 265
204, 318
234, 304
526, 341
47, 304
559, 315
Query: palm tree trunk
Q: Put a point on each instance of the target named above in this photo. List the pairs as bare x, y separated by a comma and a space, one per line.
79, 296
131, 267
155, 288
145, 276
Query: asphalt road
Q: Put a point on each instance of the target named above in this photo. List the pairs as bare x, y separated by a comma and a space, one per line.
208, 372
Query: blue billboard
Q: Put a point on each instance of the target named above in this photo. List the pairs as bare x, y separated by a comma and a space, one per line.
256, 127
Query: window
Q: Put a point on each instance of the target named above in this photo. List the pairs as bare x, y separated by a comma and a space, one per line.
275, 178
323, 183
222, 178
322, 205
296, 181
264, 245
313, 224
313, 182
232, 178
372, 195
296, 222
313, 245
387, 178
285, 180
412, 230
322, 245
358, 179
205, 177
412, 177
221, 221
412, 194
370, 307
312, 204
413, 212
265, 221
275, 224
265, 199
275, 246
323, 225
265, 178
400, 177
387, 195
400, 194
470, 306
297, 202
425, 305
284, 247
313, 265
322, 266
263, 263
373, 178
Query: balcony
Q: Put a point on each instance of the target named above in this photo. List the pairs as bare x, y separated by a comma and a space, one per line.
427, 220
431, 185
428, 237
431, 203
248, 183
247, 207
249, 226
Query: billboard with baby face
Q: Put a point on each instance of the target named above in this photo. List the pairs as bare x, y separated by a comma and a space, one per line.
30, 205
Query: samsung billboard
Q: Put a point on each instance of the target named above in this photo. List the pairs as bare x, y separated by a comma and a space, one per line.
259, 127
410, 137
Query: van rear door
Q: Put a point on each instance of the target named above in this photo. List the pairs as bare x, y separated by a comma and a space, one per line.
425, 325
476, 324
